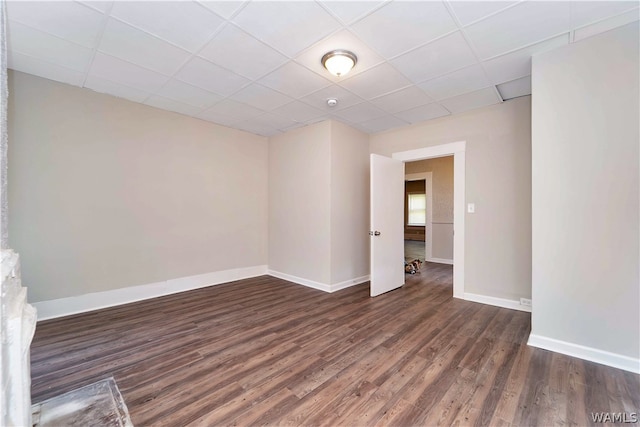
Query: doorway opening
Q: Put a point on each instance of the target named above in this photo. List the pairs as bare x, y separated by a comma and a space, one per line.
457, 151
429, 234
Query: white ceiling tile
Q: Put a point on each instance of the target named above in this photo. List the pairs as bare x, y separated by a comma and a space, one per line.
518, 64
588, 12
133, 45
465, 80
261, 97
256, 128
515, 88
381, 124
191, 95
356, 126
125, 73
377, 81
607, 24
26, 64
217, 117
38, 44
367, 58
361, 113
403, 99
273, 120
519, 26
224, 8
470, 11
323, 119
239, 52
293, 126
100, 6
231, 108
294, 80
348, 11
423, 113
471, 100
299, 111
285, 25
272, 71
115, 89
319, 99
171, 105
68, 20
186, 24
435, 59
400, 26
206, 75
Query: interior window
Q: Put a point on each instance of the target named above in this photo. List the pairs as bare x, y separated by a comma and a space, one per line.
417, 209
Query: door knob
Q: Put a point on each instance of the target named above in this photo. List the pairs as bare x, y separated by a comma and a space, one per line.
374, 233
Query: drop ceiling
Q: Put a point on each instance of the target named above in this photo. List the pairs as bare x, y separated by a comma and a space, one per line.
255, 65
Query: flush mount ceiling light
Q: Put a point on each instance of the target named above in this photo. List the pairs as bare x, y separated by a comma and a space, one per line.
339, 62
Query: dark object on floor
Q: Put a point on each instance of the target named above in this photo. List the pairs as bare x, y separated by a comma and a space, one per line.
412, 267
97, 404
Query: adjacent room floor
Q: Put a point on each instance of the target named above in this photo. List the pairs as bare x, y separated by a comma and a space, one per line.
414, 249
267, 351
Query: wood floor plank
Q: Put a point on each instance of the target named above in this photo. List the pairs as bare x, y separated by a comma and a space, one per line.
508, 407
272, 408
535, 399
576, 412
455, 400
264, 351
389, 391
400, 413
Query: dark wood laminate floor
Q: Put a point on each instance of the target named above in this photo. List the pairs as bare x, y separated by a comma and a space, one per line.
265, 351
414, 249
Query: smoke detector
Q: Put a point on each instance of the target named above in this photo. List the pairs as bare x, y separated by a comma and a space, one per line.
332, 102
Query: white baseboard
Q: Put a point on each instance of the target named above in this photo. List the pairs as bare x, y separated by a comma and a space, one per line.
587, 353
94, 301
348, 283
300, 281
498, 302
441, 261
317, 285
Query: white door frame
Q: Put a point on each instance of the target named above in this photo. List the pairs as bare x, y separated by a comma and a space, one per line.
428, 191
457, 150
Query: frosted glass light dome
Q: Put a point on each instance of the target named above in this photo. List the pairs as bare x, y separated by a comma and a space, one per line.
339, 62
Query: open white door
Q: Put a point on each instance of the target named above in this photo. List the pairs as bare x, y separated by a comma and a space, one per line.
387, 224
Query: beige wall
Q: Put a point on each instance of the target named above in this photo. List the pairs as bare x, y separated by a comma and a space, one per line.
300, 203
585, 194
105, 193
498, 181
442, 199
319, 203
349, 203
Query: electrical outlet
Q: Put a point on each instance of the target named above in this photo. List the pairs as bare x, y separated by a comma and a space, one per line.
525, 301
